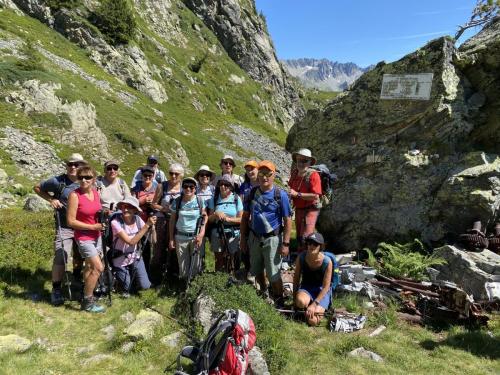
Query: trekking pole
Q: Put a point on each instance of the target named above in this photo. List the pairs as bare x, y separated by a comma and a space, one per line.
225, 245
65, 256
303, 312
107, 270
195, 252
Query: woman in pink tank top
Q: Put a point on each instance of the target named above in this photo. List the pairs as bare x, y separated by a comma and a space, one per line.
83, 206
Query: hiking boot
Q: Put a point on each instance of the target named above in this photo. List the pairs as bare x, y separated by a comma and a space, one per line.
89, 305
56, 298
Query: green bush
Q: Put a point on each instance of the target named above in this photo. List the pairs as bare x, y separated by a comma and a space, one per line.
33, 60
115, 19
402, 260
58, 4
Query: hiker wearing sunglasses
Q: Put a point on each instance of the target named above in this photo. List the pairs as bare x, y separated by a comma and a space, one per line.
305, 190
187, 228
112, 188
56, 190
312, 279
145, 191
83, 206
158, 174
225, 208
227, 165
165, 194
267, 223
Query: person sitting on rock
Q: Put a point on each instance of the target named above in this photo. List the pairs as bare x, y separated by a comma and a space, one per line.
227, 165
128, 231
305, 190
112, 188
312, 279
187, 229
56, 190
84, 204
158, 174
225, 208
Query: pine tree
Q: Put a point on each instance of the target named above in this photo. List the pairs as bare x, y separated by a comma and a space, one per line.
115, 19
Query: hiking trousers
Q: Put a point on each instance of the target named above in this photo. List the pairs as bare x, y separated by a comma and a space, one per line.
305, 223
184, 247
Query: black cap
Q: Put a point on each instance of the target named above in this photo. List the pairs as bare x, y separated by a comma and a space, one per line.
152, 158
316, 237
147, 168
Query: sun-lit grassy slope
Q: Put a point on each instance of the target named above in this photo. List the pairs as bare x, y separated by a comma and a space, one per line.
129, 129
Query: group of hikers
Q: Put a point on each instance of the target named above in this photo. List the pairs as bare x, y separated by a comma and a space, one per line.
160, 227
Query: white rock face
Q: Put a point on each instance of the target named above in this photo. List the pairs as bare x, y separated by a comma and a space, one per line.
37, 97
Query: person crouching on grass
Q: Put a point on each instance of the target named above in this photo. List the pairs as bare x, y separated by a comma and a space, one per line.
128, 230
314, 272
83, 206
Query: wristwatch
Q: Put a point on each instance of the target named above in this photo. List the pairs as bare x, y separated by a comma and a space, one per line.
285, 243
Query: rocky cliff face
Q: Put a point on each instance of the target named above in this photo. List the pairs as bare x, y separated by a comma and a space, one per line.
324, 74
413, 168
244, 36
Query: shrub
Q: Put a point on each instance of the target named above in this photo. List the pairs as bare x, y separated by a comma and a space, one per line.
58, 4
33, 60
403, 260
115, 19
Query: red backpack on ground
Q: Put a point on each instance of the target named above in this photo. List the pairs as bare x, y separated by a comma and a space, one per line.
225, 350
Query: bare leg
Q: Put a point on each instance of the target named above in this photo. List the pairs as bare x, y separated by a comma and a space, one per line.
93, 268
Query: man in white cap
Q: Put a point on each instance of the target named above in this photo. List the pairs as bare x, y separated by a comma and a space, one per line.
56, 190
158, 176
227, 165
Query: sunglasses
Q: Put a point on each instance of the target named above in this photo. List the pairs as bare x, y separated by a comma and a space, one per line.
71, 165
192, 187
265, 174
174, 173
127, 206
311, 243
303, 161
86, 178
112, 168
204, 174
147, 176
226, 185
227, 163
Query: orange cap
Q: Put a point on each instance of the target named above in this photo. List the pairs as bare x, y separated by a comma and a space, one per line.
251, 163
267, 164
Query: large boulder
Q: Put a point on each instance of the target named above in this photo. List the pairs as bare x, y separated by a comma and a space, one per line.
143, 327
469, 270
14, 344
412, 168
34, 203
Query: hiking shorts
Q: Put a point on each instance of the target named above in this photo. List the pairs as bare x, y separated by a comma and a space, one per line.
264, 256
233, 242
63, 245
313, 292
90, 248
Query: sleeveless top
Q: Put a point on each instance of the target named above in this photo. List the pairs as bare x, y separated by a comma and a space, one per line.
312, 277
87, 213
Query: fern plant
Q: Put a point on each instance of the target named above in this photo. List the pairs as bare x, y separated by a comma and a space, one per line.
408, 260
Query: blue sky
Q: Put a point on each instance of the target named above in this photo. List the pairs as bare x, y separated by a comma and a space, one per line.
362, 31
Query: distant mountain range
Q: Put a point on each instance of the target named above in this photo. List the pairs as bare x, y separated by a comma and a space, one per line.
324, 74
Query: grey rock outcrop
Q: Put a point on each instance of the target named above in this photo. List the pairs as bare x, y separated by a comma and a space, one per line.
412, 168
243, 35
144, 325
36, 9
14, 344
34, 203
9, 4
469, 270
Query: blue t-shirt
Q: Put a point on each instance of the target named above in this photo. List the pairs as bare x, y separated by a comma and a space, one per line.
60, 187
245, 188
188, 214
226, 205
265, 215
206, 194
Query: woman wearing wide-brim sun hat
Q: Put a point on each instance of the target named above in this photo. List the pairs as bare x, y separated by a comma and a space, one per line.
305, 190
205, 177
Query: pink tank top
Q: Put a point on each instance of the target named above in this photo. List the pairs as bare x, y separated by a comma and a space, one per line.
87, 213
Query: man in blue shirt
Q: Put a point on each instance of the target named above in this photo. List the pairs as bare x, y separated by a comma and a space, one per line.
56, 190
267, 223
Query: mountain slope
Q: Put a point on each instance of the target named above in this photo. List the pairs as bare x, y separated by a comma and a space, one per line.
324, 74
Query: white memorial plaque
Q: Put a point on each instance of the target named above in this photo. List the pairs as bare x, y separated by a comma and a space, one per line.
407, 86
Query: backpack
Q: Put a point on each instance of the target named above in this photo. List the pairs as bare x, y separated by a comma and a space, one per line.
327, 181
277, 197
335, 268
225, 350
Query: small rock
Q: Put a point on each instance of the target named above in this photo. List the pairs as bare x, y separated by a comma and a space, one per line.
109, 332
257, 363
368, 305
34, 203
171, 340
97, 358
127, 317
127, 347
204, 311
14, 344
85, 349
378, 331
143, 327
363, 353
3, 177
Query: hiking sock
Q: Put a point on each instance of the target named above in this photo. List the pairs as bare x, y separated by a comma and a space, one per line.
56, 284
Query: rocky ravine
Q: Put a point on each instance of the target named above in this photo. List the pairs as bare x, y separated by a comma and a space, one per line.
413, 168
